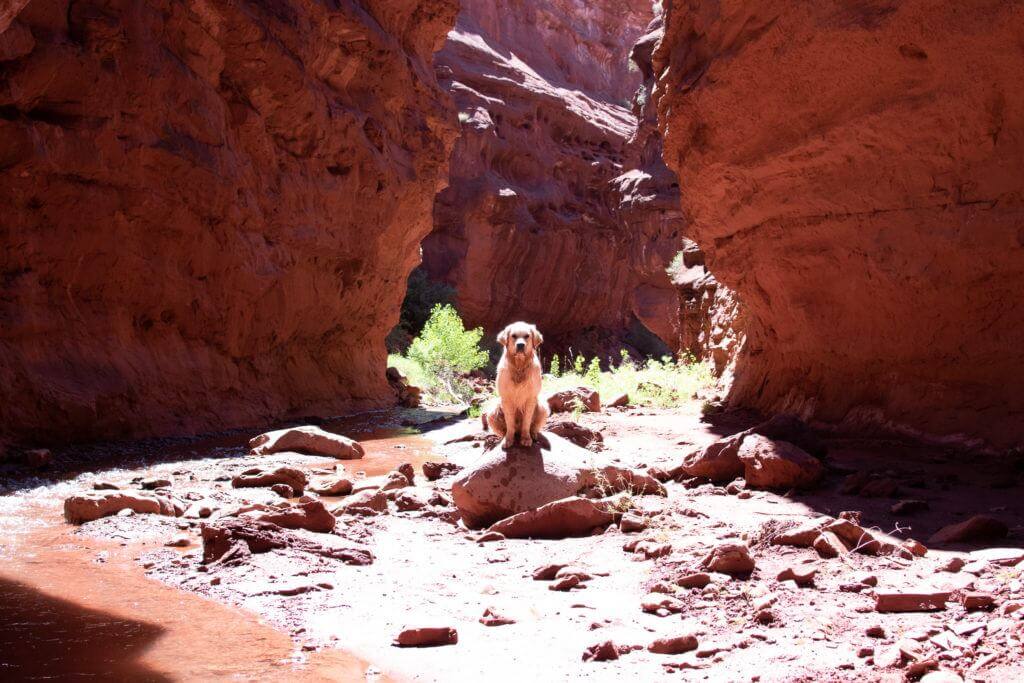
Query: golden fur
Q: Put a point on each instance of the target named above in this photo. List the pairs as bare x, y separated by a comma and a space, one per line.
519, 410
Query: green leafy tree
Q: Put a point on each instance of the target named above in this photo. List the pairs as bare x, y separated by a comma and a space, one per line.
446, 348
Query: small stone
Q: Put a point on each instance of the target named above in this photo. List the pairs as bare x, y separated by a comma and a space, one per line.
910, 549
632, 522
601, 652
435, 470
427, 637
764, 617
875, 631
975, 601
954, 565
490, 537
547, 572
729, 558
565, 583
155, 483
800, 575
283, 490
865, 652
698, 580
910, 601
654, 603
182, 541
675, 645
829, 546
492, 617
908, 507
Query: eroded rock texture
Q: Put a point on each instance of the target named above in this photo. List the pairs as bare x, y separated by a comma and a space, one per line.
548, 216
853, 171
209, 207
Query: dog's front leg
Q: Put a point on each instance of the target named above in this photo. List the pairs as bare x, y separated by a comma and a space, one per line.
511, 426
526, 425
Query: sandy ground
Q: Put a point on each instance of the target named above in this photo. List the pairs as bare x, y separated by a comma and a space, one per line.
429, 571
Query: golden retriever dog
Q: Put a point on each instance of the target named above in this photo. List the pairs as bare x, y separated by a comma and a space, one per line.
519, 411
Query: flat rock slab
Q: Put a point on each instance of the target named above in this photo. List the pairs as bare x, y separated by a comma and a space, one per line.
310, 440
559, 519
909, 601
86, 507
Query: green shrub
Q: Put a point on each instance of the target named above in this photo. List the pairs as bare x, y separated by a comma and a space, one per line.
444, 350
554, 368
664, 382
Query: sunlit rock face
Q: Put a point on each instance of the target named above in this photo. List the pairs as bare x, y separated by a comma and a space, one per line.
853, 171
555, 212
209, 208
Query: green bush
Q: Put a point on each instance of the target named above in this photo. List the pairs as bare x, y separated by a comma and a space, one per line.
663, 383
443, 351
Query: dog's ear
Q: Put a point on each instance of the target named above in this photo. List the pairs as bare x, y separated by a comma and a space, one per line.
535, 333
503, 336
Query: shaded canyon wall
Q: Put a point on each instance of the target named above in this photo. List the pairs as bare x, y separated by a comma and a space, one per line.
210, 208
854, 170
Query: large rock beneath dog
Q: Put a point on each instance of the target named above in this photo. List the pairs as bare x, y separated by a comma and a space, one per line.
559, 519
769, 464
86, 507
505, 483
308, 439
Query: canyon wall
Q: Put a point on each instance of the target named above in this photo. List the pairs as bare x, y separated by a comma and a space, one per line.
550, 214
854, 170
210, 207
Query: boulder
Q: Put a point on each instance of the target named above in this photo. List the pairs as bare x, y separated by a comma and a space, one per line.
504, 483
564, 518
569, 400
363, 502
311, 516
256, 477
338, 486
977, 528
431, 636
435, 470
718, 461
772, 464
86, 507
729, 558
309, 440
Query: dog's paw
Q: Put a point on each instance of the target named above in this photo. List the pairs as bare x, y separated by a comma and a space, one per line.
508, 443
526, 441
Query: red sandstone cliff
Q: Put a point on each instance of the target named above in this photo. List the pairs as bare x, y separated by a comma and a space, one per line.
209, 208
853, 170
551, 214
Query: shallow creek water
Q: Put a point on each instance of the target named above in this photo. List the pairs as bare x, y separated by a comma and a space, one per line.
77, 607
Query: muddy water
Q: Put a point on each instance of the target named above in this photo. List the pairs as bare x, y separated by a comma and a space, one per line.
77, 607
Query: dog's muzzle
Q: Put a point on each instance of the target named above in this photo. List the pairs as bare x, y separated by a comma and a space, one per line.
520, 347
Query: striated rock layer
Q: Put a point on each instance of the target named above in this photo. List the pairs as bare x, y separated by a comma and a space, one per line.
209, 208
853, 170
550, 215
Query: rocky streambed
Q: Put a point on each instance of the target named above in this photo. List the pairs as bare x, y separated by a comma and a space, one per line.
717, 548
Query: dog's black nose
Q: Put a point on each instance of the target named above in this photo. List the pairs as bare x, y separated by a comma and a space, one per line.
520, 345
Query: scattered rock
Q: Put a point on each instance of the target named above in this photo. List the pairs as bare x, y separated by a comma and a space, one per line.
283, 490
565, 583
86, 507
854, 537
576, 433
801, 575
977, 528
338, 486
180, 541
310, 440
256, 477
601, 652
435, 470
492, 617
547, 572
953, 565
427, 637
233, 538
155, 483
909, 507
654, 603
729, 558
563, 518
828, 545
802, 536
910, 601
675, 645
974, 601
718, 461
105, 486
569, 400
772, 464
310, 515
406, 470
631, 523
698, 580
408, 501
372, 501
490, 537
910, 549
620, 401
875, 631
764, 617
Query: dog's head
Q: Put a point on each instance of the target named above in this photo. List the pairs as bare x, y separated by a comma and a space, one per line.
520, 339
